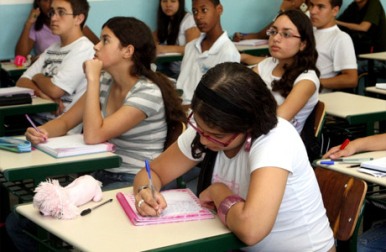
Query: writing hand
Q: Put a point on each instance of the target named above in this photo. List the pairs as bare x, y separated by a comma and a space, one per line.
148, 206
336, 152
36, 137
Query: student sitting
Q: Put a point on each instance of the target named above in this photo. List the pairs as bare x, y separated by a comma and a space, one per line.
336, 55
211, 48
129, 105
233, 126
58, 73
175, 28
291, 73
37, 35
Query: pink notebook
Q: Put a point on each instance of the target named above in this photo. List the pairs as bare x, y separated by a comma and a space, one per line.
183, 205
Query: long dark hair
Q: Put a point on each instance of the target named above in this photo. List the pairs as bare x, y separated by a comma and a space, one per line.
304, 60
167, 27
234, 99
41, 19
131, 31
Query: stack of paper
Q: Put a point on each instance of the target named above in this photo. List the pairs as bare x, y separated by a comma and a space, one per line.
380, 85
72, 145
376, 167
8, 91
183, 205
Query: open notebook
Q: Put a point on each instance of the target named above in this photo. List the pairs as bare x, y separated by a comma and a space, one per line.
72, 145
183, 205
378, 164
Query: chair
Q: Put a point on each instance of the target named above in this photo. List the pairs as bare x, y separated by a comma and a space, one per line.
320, 115
343, 197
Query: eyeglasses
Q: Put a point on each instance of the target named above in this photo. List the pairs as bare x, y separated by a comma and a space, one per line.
59, 12
284, 34
192, 123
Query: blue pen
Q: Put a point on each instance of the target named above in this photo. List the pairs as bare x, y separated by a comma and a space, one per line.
148, 170
327, 162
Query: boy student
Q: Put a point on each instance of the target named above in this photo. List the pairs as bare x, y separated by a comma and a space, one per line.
58, 73
336, 62
211, 48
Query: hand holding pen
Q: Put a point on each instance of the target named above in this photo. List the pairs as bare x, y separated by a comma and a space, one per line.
343, 150
35, 135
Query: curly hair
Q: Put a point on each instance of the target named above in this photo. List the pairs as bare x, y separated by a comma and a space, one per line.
304, 60
131, 31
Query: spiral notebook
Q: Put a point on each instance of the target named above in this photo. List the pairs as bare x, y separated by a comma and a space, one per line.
183, 205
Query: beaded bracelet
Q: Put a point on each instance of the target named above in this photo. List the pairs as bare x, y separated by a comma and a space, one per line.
226, 204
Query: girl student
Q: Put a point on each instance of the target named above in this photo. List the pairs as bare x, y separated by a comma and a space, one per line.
36, 33
291, 73
270, 203
128, 105
175, 28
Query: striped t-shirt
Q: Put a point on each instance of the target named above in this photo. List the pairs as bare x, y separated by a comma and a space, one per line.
146, 140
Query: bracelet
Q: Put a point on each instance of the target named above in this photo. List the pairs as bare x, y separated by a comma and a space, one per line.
226, 204
142, 187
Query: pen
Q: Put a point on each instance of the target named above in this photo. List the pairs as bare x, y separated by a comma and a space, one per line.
344, 144
148, 170
32, 123
327, 162
351, 160
88, 210
353, 166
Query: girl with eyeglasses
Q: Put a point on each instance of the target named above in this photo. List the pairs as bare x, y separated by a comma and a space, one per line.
37, 35
291, 73
254, 167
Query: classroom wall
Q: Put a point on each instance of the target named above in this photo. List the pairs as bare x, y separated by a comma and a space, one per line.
242, 15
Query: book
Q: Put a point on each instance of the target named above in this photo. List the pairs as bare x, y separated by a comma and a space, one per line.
378, 164
72, 145
183, 205
9, 91
15, 144
251, 42
380, 85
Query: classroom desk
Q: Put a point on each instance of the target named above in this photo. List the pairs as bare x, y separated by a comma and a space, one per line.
356, 109
342, 168
253, 50
168, 57
38, 105
376, 92
370, 61
109, 229
260, 50
14, 71
38, 165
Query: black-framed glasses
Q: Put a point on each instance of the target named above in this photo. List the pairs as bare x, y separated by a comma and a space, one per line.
59, 12
193, 124
284, 34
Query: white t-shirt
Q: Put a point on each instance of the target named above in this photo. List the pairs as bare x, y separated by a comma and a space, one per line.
335, 52
301, 223
186, 23
196, 63
65, 67
265, 69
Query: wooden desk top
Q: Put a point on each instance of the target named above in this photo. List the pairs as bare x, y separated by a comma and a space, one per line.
373, 89
108, 229
38, 165
343, 168
374, 56
343, 105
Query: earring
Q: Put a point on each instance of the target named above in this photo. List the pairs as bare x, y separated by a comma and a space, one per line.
248, 143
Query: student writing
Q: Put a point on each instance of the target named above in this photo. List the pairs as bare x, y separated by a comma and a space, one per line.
235, 132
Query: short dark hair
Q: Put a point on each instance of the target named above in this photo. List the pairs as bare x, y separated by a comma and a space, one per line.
80, 7
215, 2
336, 3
